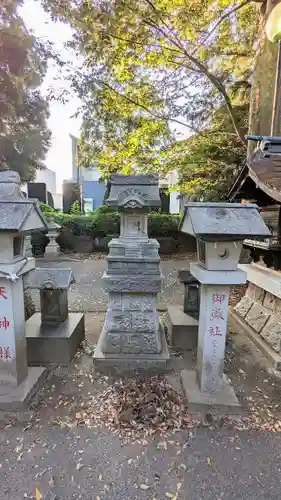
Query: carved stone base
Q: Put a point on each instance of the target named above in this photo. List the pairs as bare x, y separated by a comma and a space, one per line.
53, 344
19, 398
121, 363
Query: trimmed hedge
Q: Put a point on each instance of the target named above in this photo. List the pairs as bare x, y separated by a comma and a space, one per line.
100, 224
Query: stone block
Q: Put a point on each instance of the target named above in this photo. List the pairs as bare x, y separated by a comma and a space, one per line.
238, 324
222, 402
269, 301
277, 307
271, 333
257, 317
256, 293
132, 284
53, 344
243, 306
19, 398
182, 328
126, 363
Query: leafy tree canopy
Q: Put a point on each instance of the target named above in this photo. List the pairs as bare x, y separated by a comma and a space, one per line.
150, 64
24, 137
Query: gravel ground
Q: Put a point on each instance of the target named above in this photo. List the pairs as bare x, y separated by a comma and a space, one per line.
87, 293
65, 458
55, 451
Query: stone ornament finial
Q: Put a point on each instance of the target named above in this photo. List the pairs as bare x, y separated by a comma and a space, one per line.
10, 186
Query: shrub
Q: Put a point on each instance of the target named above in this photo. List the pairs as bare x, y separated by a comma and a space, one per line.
101, 223
163, 225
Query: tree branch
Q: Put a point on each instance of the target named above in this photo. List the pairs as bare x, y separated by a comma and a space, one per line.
224, 17
139, 105
213, 79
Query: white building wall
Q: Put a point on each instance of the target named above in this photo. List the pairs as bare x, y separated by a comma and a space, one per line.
49, 177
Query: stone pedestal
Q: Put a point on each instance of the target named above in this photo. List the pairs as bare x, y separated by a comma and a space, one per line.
18, 216
258, 314
211, 384
182, 322
182, 328
132, 337
18, 383
53, 336
53, 343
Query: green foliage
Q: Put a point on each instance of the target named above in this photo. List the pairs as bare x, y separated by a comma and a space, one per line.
47, 209
24, 137
208, 162
75, 208
103, 209
152, 64
102, 225
161, 225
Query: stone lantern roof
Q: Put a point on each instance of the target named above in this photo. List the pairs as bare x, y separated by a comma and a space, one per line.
134, 191
233, 221
17, 213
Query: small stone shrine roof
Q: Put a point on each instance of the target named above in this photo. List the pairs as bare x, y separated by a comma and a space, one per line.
18, 213
134, 191
43, 278
215, 221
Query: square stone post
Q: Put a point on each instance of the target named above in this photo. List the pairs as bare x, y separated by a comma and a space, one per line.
18, 216
132, 337
219, 229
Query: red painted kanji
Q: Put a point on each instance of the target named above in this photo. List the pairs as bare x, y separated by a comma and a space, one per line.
215, 331
5, 353
4, 323
218, 298
217, 314
2, 292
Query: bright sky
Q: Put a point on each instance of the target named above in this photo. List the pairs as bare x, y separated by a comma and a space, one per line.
60, 122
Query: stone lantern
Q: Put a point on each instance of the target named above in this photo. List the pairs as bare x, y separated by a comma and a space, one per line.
220, 229
132, 337
18, 216
52, 249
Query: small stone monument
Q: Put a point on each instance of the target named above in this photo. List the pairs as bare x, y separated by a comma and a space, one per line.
182, 321
219, 229
132, 337
191, 304
53, 335
18, 216
52, 249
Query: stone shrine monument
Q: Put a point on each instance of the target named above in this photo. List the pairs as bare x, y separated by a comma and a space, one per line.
219, 229
18, 216
53, 335
132, 337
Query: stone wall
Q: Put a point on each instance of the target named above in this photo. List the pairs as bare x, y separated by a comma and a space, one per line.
262, 312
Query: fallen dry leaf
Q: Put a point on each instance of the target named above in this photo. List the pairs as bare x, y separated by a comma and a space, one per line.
144, 486
38, 495
163, 445
208, 461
